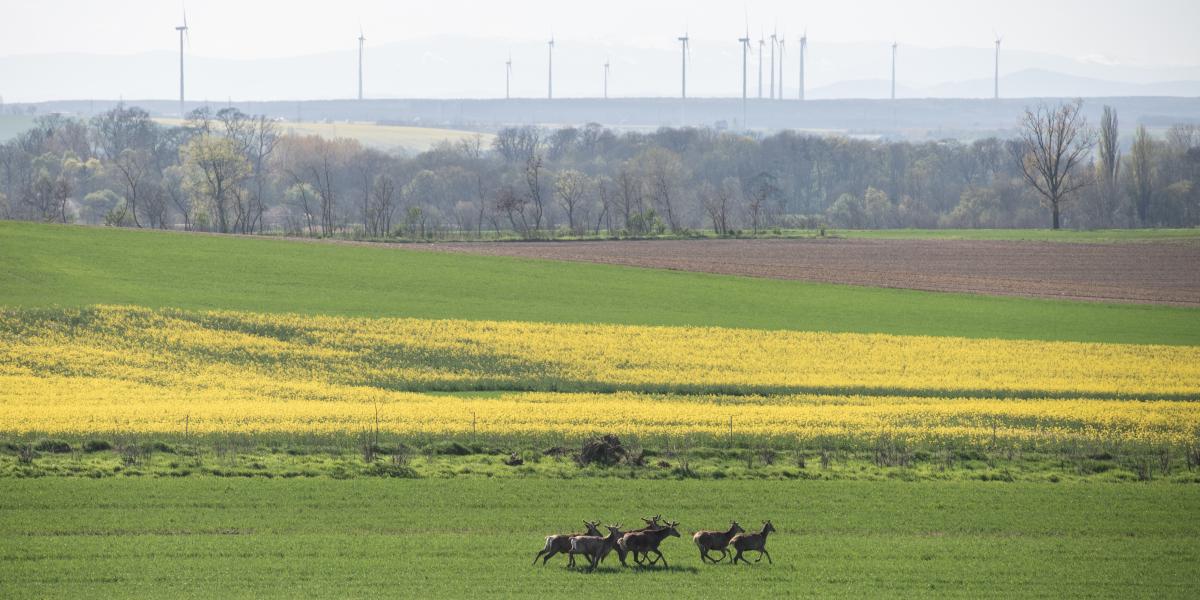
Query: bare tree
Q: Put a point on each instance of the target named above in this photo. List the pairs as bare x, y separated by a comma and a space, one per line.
134, 170
571, 187
1054, 142
533, 182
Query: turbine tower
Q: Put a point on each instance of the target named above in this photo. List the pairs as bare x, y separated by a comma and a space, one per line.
508, 76
781, 42
774, 41
361, 39
550, 79
744, 42
182, 29
803, 50
606, 67
996, 92
761, 42
894, 46
685, 50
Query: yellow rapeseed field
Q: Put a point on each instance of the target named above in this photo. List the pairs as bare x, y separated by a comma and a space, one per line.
122, 369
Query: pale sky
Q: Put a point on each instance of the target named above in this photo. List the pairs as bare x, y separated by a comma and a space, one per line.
1148, 32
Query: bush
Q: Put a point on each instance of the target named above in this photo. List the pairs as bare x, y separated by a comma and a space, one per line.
449, 449
96, 446
55, 446
605, 451
391, 470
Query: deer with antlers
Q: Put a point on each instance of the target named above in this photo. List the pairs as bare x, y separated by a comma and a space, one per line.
745, 542
561, 543
709, 541
644, 542
594, 547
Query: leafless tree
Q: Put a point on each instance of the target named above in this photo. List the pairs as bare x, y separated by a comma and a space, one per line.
1054, 142
533, 182
571, 187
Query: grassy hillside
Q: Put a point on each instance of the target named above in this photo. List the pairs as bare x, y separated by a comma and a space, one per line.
387, 538
383, 137
45, 265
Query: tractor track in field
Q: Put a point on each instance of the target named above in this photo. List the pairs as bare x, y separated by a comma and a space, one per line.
1151, 272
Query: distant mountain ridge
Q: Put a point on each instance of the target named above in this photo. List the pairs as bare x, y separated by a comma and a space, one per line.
474, 68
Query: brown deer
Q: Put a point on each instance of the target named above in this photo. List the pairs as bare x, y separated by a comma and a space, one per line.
651, 523
594, 547
645, 542
561, 543
708, 541
757, 542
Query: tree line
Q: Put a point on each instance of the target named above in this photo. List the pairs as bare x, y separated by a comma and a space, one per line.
227, 171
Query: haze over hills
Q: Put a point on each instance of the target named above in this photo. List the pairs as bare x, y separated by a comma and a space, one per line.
454, 67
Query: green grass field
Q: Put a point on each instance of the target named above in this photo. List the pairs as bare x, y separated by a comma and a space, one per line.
43, 265
201, 538
1107, 236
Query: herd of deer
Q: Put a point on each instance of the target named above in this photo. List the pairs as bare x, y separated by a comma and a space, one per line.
642, 542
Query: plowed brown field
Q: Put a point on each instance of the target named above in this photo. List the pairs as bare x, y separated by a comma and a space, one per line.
1161, 273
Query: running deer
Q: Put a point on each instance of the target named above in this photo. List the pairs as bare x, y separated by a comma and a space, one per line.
594, 547
708, 541
652, 523
645, 542
561, 543
753, 541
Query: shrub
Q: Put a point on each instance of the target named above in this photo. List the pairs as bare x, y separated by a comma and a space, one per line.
55, 446
391, 470
449, 449
96, 446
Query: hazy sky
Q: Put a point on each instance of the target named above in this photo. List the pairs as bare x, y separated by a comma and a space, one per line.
1159, 32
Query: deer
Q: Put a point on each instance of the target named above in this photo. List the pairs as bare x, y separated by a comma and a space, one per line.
708, 541
757, 542
651, 524
645, 542
561, 543
594, 547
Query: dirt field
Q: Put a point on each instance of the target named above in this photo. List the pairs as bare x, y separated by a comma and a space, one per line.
1161, 273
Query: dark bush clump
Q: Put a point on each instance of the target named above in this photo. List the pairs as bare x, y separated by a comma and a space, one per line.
96, 446
606, 451
383, 469
451, 449
55, 446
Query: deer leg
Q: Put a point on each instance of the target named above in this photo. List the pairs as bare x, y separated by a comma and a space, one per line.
768, 555
660, 555
539, 555
738, 557
704, 556
545, 558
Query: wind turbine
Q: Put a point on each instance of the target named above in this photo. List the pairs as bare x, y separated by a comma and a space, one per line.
774, 41
182, 29
782, 39
361, 39
606, 67
761, 42
685, 51
996, 93
744, 42
550, 80
894, 46
803, 50
507, 76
